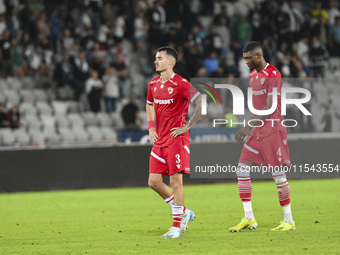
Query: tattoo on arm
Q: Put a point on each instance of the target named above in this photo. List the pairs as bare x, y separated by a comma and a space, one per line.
197, 113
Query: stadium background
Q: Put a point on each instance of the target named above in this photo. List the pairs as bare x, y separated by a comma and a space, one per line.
61, 140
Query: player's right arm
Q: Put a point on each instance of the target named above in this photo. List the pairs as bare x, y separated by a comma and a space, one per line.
150, 114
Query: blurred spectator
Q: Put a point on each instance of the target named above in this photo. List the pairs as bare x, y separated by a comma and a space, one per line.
87, 42
6, 54
111, 83
255, 18
141, 27
3, 25
12, 23
222, 15
180, 33
180, 67
34, 9
122, 73
46, 55
333, 13
119, 27
13, 116
267, 51
95, 6
27, 49
74, 22
282, 33
284, 58
63, 79
155, 21
18, 60
242, 29
104, 34
55, 29
295, 20
4, 123
43, 27
94, 88
107, 12
326, 120
211, 63
85, 19
223, 30
2, 7
213, 41
319, 11
202, 72
308, 26
81, 74
321, 31
334, 33
297, 66
319, 55
303, 53
142, 5
69, 44
162, 14
130, 115
100, 65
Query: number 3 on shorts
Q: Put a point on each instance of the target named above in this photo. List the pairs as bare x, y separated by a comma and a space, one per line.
178, 159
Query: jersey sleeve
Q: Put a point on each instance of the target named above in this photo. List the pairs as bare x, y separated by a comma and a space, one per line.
149, 98
274, 81
188, 91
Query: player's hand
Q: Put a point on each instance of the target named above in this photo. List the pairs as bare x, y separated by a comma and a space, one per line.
179, 130
153, 134
242, 133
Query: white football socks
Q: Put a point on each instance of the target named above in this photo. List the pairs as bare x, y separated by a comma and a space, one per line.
287, 211
170, 200
248, 210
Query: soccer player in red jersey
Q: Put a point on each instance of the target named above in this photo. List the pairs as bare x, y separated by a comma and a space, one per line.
168, 99
267, 142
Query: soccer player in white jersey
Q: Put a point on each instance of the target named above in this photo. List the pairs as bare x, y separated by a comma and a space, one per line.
168, 100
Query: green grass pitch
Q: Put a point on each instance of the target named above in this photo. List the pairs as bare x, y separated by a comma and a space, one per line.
131, 221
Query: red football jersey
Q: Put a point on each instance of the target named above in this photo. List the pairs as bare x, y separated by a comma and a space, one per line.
171, 100
262, 84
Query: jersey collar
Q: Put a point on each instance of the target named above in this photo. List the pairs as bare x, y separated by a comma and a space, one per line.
172, 76
262, 69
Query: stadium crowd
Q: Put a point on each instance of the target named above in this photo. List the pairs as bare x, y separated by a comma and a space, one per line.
80, 46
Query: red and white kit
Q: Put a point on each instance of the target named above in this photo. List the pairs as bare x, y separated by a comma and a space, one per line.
171, 99
267, 143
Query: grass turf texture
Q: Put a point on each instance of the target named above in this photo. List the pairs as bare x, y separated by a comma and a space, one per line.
131, 220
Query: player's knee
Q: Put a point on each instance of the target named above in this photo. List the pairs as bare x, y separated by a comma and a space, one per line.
153, 184
175, 185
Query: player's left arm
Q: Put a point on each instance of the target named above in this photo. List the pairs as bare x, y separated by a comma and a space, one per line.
195, 117
243, 132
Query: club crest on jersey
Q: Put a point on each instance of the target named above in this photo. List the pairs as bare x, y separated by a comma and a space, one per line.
262, 80
284, 141
162, 86
170, 90
251, 80
154, 89
257, 77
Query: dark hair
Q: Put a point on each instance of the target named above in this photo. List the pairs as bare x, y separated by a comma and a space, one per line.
169, 51
251, 46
